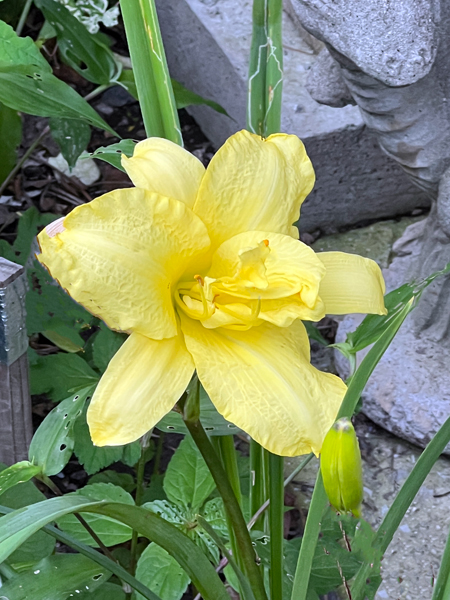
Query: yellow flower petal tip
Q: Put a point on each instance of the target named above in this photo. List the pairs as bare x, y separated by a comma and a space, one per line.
204, 270
341, 468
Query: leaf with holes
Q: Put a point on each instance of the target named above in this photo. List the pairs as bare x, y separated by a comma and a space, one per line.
107, 591
71, 136
109, 531
161, 573
34, 91
79, 49
124, 480
18, 473
55, 577
112, 154
53, 442
188, 481
212, 421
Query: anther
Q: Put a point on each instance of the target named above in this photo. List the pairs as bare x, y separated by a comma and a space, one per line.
199, 280
266, 243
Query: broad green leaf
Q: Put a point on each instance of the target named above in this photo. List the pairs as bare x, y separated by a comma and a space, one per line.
52, 444
65, 337
188, 481
71, 136
34, 91
17, 526
169, 511
211, 420
40, 544
106, 343
15, 50
93, 12
132, 453
112, 153
107, 591
155, 490
124, 480
10, 135
79, 49
109, 531
93, 458
161, 573
59, 375
214, 513
55, 578
18, 473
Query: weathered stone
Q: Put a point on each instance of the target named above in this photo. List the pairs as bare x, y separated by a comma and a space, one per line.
208, 43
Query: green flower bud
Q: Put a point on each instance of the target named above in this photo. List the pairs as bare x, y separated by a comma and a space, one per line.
340, 463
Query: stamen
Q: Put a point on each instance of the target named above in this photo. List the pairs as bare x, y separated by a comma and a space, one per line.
266, 243
199, 280
250, 320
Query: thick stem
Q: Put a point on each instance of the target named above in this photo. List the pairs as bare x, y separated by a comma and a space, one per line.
256, 482
232, 507
276, 524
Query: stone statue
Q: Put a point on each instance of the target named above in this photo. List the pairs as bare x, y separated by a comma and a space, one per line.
392, 58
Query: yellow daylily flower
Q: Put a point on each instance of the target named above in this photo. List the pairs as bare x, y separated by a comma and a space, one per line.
205, 271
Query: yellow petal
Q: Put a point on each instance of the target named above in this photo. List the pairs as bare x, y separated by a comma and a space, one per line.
352, 284
254, 184
120, 255
290, 267
262, 381
142, 383
284, 311
161, 166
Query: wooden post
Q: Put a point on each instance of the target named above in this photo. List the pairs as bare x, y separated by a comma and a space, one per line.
15, 402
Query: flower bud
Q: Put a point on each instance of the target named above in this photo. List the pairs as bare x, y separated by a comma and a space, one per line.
340, 463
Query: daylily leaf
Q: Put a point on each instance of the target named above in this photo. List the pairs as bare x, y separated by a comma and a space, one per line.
55, 577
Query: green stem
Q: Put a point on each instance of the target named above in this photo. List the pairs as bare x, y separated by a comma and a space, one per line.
276, 522
256, 481
274, 72
158, 455
232, 507
402, 502
6, 571
229, 459
23, 16
140, 50
98, 90
23, 158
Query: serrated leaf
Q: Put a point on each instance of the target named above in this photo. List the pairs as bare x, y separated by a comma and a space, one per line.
93, 458
34, 91
161, 573
81, 50
109, 531
106, 343
15, 50
53, 442
40, 544
55, 578
71, 136
155, 490
59, 375
211, 420
214, 513
29, 225
169, 511
188, 481
112, 153
18, 473
11, 136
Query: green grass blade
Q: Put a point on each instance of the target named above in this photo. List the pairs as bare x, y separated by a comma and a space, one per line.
442, 585
276, 524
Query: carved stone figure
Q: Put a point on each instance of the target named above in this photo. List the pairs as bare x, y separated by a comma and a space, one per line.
392, 58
